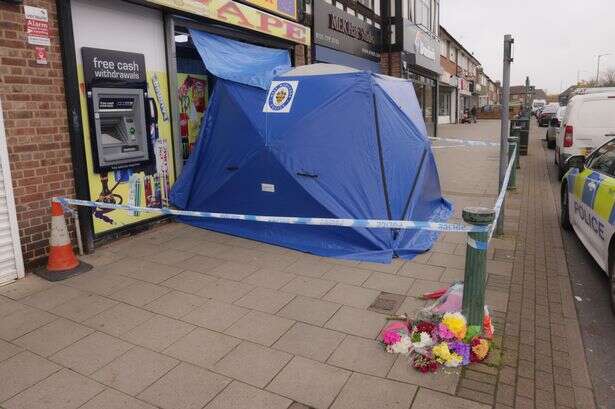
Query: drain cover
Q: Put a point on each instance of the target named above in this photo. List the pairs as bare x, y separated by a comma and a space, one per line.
387, 303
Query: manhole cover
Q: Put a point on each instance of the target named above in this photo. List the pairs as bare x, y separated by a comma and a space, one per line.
387, 303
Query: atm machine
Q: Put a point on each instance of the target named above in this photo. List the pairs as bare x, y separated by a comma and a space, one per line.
121, 128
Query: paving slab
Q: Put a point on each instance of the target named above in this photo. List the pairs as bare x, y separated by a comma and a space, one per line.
308, 286
25, 287
53, 337
388, 283
158, 333
369, 392
259, 327
309, 382
118, 320
348, 275
351, 295
241, 396
22, 321
215, 315
112, 399
22, 371
358, 322
140, 293
83, 307
252, 363
265, 300
99, 281
309, 310
225, 290
429, 399
134, 371
310, 341
175, 304
8, 350
62, 390
51, 297
91, 353
185, 387
362, 355
269, 278
202, 347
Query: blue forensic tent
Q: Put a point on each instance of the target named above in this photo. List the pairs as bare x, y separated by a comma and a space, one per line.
352, 145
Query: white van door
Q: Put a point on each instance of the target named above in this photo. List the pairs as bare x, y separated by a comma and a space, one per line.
595, 122
11, 261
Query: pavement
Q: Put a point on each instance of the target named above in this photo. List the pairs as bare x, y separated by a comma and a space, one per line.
179, 317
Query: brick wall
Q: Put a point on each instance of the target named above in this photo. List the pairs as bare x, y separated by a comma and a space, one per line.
301, 55
36, 126
392, 59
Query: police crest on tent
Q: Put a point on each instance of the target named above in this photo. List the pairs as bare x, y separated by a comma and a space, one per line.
280, 96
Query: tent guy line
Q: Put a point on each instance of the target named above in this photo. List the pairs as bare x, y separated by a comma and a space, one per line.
314, 221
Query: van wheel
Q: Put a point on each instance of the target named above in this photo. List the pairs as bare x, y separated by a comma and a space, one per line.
565, 213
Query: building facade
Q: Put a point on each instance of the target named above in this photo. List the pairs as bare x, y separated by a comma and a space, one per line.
411, 48
448, 98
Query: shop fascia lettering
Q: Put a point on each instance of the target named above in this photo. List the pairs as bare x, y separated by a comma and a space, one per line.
344, 26
238, 14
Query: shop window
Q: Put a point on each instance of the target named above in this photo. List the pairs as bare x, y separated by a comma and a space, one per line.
377, 7
339, 5
350, 11
444, 105
360, 16
366, 3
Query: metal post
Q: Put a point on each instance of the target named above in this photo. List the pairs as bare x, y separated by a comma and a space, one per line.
474, 279
528, 98
504, 130
513, 142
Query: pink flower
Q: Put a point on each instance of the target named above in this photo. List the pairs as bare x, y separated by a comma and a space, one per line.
391, 337
444, 332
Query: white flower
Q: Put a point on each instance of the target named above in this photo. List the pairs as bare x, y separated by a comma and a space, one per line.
425, 341
402, 347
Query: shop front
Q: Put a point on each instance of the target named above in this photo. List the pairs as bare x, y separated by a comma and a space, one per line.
340, 38
447, 99
140, 90
420, 62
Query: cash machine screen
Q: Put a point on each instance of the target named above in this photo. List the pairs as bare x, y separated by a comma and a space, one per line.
115, 103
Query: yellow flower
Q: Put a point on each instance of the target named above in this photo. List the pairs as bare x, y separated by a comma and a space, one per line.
441, 352
456, 323
453, 361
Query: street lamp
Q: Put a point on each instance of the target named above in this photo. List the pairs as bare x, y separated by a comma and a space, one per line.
598, 69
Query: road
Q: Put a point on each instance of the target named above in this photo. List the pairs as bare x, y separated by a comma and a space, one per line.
590, 286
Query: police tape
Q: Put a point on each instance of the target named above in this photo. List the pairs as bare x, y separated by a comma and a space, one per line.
313, 221
465, 142
500, 201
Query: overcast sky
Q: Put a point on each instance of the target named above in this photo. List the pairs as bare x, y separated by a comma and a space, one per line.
553, 38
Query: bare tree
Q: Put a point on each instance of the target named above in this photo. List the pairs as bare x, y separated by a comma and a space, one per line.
608, 78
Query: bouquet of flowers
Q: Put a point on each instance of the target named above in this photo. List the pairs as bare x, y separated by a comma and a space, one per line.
443, 340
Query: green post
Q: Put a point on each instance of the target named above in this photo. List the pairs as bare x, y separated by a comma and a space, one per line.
513, 142
476, 262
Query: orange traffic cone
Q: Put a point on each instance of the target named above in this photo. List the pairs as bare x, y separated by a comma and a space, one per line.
62, 262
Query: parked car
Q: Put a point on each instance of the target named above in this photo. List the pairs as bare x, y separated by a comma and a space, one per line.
587, 123
554, 125
587, 206
547, 113
537, 104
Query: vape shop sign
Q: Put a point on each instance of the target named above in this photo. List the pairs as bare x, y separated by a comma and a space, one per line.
37, 26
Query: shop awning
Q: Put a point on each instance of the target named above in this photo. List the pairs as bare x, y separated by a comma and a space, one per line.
244, 63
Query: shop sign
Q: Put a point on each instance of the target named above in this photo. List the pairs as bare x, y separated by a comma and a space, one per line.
286, 8
336, 29
37, 26
232, 12
103, 67
423, 48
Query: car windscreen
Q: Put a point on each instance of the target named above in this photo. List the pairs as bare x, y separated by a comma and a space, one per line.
599, 113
